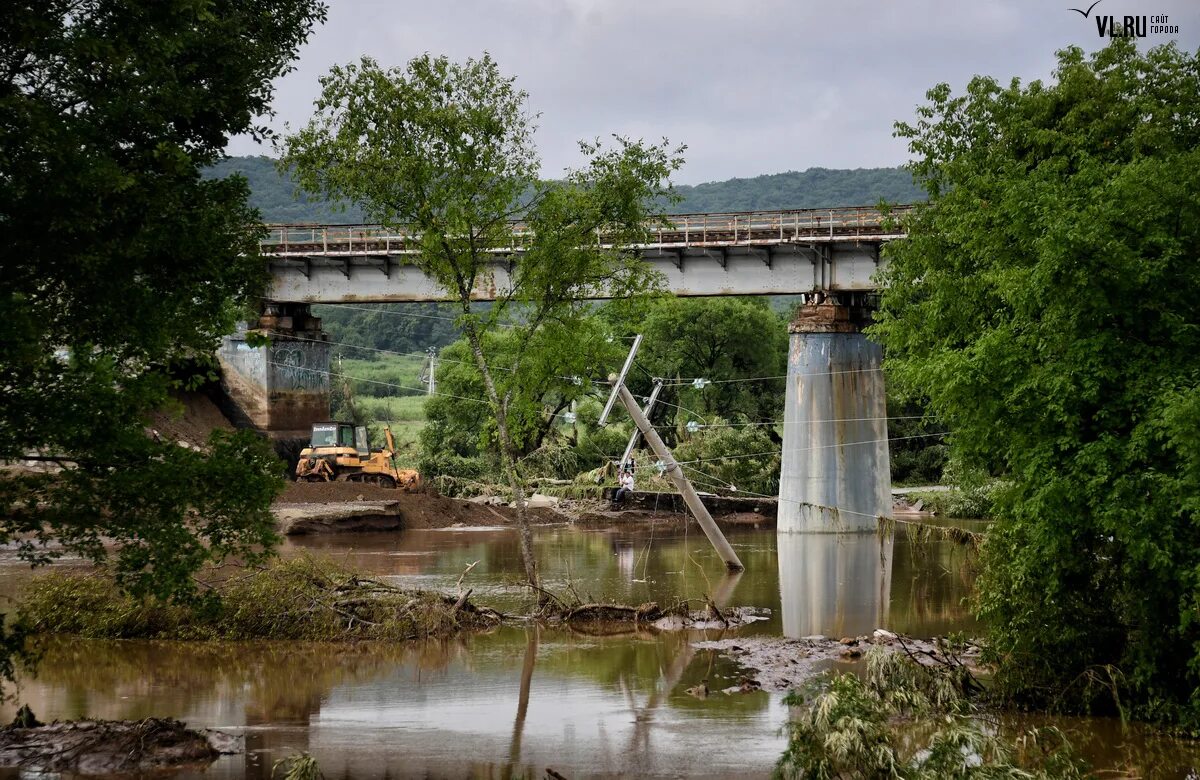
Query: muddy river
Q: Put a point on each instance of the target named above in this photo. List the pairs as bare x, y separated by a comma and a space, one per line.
513, 702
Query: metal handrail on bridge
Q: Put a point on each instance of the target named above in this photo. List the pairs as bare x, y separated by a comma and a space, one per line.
732, 229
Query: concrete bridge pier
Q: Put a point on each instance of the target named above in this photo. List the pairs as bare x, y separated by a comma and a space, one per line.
836, 473
280, 388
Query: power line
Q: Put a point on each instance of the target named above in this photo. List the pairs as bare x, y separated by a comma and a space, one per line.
801, 422
412, 354
290, 337
682, 382
406, 314
340, 375
390, 311
808, 449
779, 499
677, 406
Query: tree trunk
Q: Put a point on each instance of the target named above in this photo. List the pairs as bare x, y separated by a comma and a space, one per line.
508, 456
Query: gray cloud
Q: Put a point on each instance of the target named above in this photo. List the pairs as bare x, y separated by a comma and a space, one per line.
757, 86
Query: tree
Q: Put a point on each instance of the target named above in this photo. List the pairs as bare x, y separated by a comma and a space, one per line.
446, 150
397, 327
542, 388
724, 340
1046, 302
121, 264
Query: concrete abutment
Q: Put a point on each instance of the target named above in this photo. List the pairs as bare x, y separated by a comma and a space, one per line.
279, 388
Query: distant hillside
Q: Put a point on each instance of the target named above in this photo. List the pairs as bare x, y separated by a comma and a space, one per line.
814, 188
275, 195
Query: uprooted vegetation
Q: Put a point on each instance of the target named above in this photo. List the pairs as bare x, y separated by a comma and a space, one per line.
912, 720
313, 599
304, 598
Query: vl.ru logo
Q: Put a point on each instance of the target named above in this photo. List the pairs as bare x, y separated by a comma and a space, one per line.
1131, 26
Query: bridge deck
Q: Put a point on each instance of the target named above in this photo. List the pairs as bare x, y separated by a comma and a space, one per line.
743, 253
685, 230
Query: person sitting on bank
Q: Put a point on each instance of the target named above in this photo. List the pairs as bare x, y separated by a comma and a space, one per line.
625, 483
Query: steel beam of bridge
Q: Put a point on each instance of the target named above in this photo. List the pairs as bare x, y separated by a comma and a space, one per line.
748, 253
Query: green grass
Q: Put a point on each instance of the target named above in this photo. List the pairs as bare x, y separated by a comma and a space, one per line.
405, 415
373, 377
394, 409
377, 396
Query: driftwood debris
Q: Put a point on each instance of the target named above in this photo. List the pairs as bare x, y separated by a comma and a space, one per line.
602, 618
646, 613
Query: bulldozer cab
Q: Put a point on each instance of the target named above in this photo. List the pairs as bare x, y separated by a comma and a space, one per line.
334, 434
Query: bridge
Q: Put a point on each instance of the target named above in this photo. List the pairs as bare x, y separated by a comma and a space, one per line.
746, 253
835, 473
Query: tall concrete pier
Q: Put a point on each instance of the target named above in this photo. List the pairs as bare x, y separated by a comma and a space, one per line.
836, 473
280, 388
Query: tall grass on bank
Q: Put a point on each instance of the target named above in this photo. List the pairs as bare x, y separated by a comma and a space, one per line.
305, 598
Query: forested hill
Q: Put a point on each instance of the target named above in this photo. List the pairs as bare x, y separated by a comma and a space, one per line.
814, 188
275, 196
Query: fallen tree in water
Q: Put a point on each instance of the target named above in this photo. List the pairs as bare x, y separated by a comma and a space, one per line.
301, 599
104, 747
598, 617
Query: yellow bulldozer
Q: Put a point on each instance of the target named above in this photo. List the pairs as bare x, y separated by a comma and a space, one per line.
340, 451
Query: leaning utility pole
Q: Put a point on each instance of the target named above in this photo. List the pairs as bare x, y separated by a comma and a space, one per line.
673, 469
637, 433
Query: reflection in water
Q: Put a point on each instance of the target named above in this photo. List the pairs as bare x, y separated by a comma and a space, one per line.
531, 650
515, 701
834, 584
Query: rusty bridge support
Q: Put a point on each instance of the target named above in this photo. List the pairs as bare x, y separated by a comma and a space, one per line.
280, 388
835, 474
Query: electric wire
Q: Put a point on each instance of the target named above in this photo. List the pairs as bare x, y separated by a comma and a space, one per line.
395, 313
414, 354
808, 449
802, 422
688, 381
780, 499
419, 390
389, 311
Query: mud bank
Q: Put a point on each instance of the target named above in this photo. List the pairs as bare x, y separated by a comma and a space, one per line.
105, 747
338, 507
779, 664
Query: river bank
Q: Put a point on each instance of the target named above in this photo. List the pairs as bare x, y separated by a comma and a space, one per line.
347, 507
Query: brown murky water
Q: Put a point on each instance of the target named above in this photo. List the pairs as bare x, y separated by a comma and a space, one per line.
515, 701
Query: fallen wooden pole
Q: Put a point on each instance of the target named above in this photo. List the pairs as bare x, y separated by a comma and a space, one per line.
675, 472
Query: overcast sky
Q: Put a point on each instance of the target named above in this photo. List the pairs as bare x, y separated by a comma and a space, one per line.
751, 86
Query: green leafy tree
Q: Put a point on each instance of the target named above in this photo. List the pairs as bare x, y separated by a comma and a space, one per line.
398, 327
446, 150
120, 262
1046, 303
724, 340
542, 387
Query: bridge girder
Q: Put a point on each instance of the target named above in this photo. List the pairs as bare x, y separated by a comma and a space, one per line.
783, 268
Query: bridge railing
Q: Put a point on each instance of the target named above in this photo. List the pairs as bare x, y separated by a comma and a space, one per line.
748, 228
